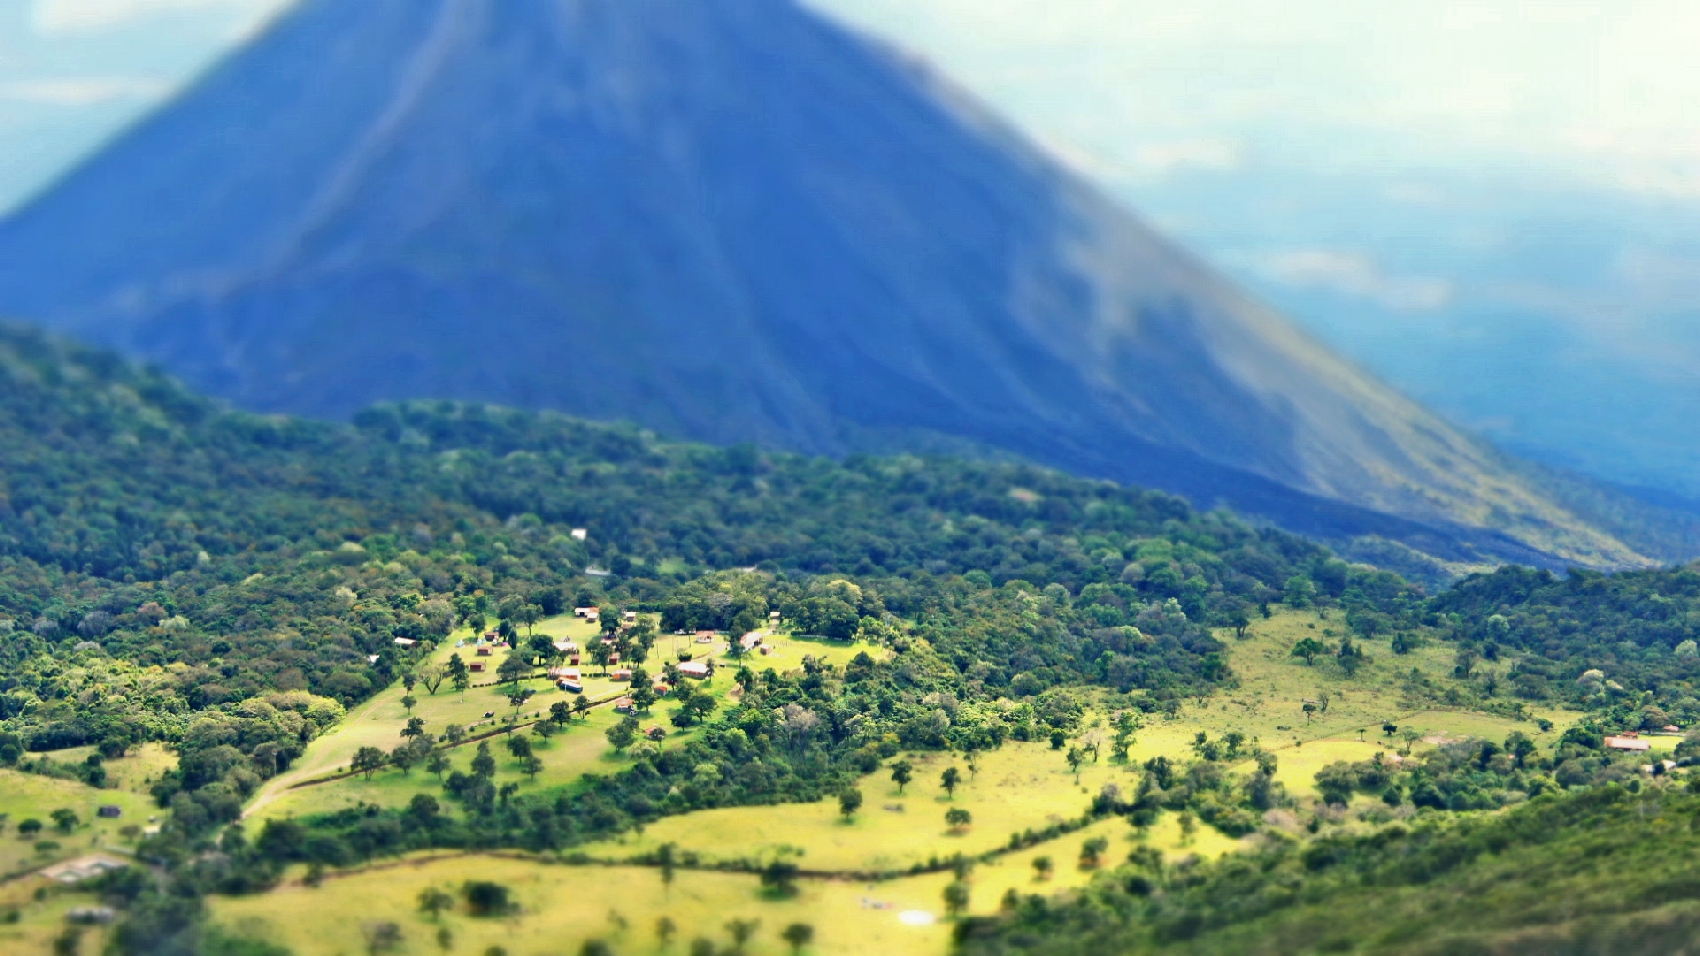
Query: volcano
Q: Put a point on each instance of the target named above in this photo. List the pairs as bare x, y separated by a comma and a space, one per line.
727, 220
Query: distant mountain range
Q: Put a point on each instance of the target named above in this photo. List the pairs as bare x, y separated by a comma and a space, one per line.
731, 220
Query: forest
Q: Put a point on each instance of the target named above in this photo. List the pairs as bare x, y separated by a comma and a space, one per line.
229, 585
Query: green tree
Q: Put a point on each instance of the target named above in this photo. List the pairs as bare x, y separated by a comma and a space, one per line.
951, 778
459, 676
531, 765
1308, 648
409, 702
956, 818
368, 760
513, 669
65, 820
849, 801
434, 901
742, 931
415, 727
483, 762
1299, 592
1042, 867
901, 773
797, 935
560, 712
956, 898
623, 733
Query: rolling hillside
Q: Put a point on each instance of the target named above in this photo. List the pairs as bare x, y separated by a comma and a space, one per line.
728, 220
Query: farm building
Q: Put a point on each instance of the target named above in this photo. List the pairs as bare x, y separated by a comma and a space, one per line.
566, 647
405, 641
1628, 741
750, 641
476, 667
621, 674
624, 705
696, 669
483, 652
109, 811
588, 613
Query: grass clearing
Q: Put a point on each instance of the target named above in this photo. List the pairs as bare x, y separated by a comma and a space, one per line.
1023, 786
25, 796
582, 749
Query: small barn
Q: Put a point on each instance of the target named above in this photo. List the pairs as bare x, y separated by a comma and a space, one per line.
695, 669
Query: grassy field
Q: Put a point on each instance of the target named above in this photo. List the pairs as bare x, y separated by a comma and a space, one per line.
135, 772
1023, 786
583, 748
41, 905
1019, 787
562, 906
28, 796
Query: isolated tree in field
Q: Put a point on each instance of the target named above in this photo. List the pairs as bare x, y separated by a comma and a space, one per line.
901, 773
1308, 648
1410, 736
404, 757
415, 727
849, 801
459, 676
65, 819
454, 734
1240, 620
798, 935
543, 729
1058, 738
957, 818
742, 931
408, 680
519, 747
438, 764
483, 762
1075, 758
623, 733
1310, 710
29, 828
949, 780
1350, 657
368, 760
513, 669
956, 898
531, 765
1092, 853
1042, 867
601, 654
973, 763
432, 677
1389, 729
542, 648
517, 698
433, 901
560, 712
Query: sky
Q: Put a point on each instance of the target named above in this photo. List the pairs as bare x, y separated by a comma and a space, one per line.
1495, 205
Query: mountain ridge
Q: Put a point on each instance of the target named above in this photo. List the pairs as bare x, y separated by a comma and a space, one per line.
730, 221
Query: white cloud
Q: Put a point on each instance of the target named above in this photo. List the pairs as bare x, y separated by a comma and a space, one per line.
81, 91
1355, 275
78, 16
1165, 158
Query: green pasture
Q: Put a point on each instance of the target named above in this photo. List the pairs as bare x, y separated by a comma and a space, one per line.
29, 796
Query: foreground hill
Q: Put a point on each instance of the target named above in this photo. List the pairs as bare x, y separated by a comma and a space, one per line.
731, 221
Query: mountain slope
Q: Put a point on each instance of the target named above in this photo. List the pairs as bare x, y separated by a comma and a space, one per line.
726, 219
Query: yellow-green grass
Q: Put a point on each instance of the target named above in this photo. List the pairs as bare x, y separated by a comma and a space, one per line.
1018, 788
563, 906
41, 921
136, 771
25, 796
584, 748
